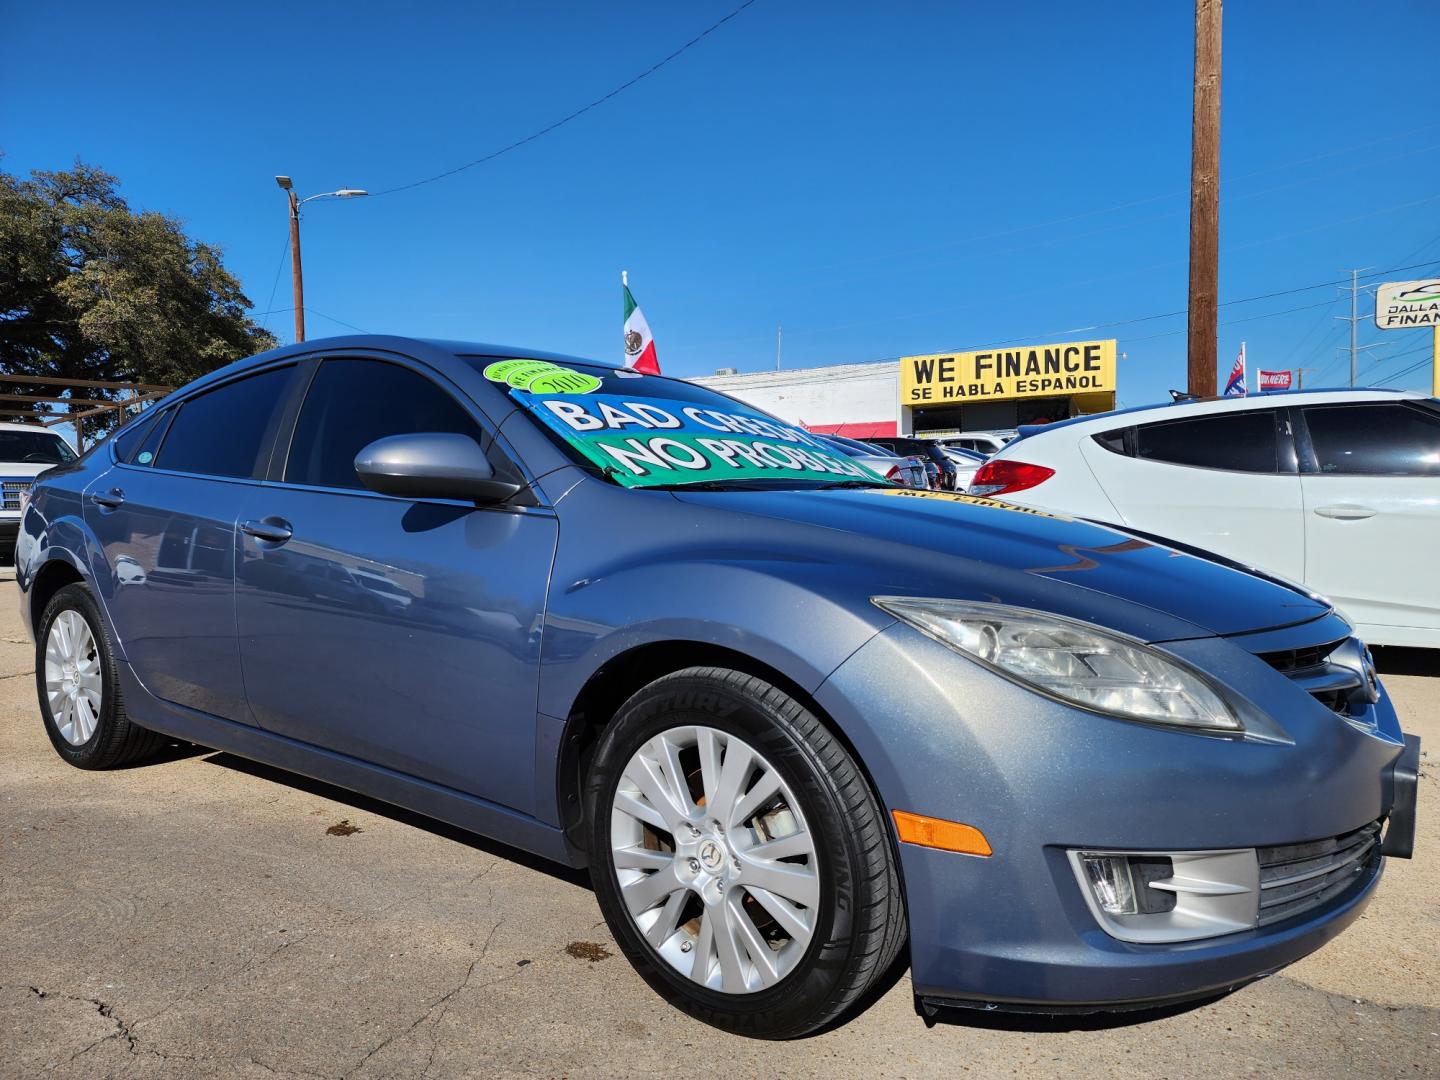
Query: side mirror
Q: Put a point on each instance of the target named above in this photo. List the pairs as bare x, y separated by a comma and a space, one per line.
431, 465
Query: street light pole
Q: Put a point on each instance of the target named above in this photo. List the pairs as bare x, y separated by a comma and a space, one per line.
295, 271
295, 203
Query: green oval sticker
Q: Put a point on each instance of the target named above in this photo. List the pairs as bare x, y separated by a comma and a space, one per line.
563, 381
542, 377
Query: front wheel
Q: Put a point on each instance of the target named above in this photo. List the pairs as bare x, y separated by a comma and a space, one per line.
739, 857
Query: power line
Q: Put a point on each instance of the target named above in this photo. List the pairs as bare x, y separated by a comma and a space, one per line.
1406, 371
574, 115
1226, 303
279, 267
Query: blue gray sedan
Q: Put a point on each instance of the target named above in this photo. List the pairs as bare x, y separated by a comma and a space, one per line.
801, 724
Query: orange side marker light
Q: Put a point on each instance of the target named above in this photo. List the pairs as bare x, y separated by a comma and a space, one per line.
939, 833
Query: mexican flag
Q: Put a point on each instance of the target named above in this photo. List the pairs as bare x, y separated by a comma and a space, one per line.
639, 344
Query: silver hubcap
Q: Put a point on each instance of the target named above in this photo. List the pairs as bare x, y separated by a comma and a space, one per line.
716, 865
72, 677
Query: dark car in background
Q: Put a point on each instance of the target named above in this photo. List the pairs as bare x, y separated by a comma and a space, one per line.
909, 471
795, 719
931, 451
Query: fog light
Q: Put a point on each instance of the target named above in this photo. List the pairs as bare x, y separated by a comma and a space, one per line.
1110, 881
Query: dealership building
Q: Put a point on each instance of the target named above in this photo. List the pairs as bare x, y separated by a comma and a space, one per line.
935, 394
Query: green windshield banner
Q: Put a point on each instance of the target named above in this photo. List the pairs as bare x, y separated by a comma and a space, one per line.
648, 441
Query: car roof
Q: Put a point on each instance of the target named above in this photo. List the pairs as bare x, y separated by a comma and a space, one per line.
1202, 406
28, 427
419, 347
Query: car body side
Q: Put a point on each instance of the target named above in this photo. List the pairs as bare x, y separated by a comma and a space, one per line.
647, 582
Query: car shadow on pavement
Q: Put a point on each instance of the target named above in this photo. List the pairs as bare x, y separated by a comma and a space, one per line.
397, 814
1402, 660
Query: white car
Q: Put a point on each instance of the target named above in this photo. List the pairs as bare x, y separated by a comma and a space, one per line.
1336, 489
26, 450
967, 462
979, 442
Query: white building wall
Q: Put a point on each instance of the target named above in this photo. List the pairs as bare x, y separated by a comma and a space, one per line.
844, 394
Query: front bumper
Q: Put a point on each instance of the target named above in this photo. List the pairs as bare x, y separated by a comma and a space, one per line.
9, 530
942, 737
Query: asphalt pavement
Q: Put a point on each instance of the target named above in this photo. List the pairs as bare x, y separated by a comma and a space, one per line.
202, 916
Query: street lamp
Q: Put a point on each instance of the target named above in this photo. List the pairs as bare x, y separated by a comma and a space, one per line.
295, 204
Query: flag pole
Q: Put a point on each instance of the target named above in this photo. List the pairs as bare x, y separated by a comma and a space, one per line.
625, 278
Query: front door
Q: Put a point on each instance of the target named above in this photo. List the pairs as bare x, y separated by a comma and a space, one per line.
165, 518
406, 634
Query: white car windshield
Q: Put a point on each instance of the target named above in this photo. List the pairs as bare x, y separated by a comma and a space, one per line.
35, 447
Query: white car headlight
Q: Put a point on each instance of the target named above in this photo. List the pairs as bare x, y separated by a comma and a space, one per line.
1073, 661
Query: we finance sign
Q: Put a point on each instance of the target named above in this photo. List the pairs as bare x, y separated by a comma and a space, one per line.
1074, 367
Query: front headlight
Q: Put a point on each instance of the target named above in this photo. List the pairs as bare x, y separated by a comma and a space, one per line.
1073, 661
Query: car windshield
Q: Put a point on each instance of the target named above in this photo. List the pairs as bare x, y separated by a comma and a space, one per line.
649, 431
35, 447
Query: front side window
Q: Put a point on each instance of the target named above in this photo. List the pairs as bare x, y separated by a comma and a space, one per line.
351, 403
1390, 439
223, 432
35, 448
1235, 442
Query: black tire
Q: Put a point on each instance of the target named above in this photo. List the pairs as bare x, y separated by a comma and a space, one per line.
116, 740
860, 918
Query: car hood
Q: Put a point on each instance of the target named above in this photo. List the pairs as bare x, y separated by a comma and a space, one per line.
974, 548
23, 470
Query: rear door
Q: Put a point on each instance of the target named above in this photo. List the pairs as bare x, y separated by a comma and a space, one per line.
165, 518
404, 633
1224, 481
1371, 488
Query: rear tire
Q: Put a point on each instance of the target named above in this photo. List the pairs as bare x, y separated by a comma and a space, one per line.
79, 693
791, 965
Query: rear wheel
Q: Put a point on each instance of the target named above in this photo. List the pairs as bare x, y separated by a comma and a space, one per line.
739, 856
79, 693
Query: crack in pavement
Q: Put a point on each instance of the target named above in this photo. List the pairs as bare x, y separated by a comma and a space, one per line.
253, 963
104, 1008
442, 1003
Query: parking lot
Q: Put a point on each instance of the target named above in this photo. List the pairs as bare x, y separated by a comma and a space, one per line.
200, 915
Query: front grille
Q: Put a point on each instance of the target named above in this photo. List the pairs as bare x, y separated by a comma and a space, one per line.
12, 490
1290, 661
1296, 878
1333, 685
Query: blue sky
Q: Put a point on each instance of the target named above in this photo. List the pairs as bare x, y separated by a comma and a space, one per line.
881, 179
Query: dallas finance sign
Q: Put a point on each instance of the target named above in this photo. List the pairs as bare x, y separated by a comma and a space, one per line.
1074, 367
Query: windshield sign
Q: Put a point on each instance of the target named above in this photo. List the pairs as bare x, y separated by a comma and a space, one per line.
641, 440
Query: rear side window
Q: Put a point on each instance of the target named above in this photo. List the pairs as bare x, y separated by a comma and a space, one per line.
224, 432
1374, 440
1236, 442
154, 435
351, 403
129, 440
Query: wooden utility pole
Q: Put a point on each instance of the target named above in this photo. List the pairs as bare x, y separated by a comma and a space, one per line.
1205, 201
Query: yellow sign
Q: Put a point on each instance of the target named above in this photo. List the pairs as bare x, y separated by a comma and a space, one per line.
1073, 367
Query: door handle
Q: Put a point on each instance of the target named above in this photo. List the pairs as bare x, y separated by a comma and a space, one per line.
109, 500
1346, 511
272, 530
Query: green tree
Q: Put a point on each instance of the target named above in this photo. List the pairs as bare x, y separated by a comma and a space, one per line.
91, 289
